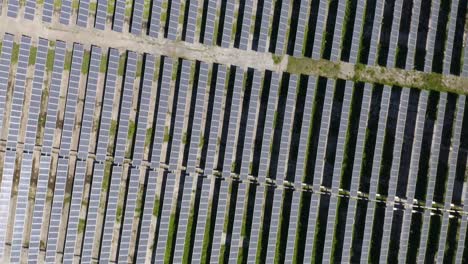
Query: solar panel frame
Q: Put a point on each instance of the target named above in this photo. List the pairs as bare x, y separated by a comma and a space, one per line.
215, 120
412, 177
246, 25
250, 128
119, 16
172, 28
286, 130
13, 6
236, 106
161, 114
65, 11
395, 32
210, 22
337, 170
376, 28
201, 220
29, 9
227, 26
292, 227
301, 27
377, 159
237, 225
154, 26
36, 92
268, 128
5, 59
256, 224
274, 224
178, 130
319, 29
452, 168
137, 17
191, 21
197, 118
452, 24
394, 173
5, 190
165, 216
125, 107
355, 39
337, 31
310, 233
431, 36
111, 212
185, 209
219, 222
83, 13
18, 92
265, 26
143, 242
38, 211
101, 15
47, 10
412, 36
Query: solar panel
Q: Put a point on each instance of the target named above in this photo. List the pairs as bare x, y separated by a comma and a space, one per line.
310, 233
377, 159
7, 182
274, 224
83, 12
47, 10
119, 15
357, 28
130, 207
18, 92
219, 222
300, 30
324, 127
72, 99
74, 216
461, 239
413, 173
107, 101
357, 166
161, 114
180, 115
91, 218
165, 217
126, 107
395, 31
319, 28
155, 18
137, 16
246, 21
292, 227
54, 90
265, 24
37, 215
143, 242
215, 120
210, 22
337, 32
394, 173
197, 118
250, 128
101, 15
36, 91
337, 170
375, 37
13, 6
227, 26
5, 58
56, 211
29, 9
191, 22
286, 130
282, 27
412, 36
452, 162
450, 38
424, 235
65, 10
183, 220
201, 220
256, 222
237, 225
431, 36
268, 128
143, 110
236, 106
173, 20
111, 213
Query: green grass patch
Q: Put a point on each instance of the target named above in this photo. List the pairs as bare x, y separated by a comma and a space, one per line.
121, 69
92, 7
85, 64
57, 5
139, 68
148, 137
50, 60
103, 65
15, 53
170, 239
167, 137
277, 58
68, 61
32, 56
156, 206
81, 225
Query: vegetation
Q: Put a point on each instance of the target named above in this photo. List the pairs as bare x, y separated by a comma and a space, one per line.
32, 56
85, 65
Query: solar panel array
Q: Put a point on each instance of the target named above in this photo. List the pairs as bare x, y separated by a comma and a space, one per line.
107, 224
